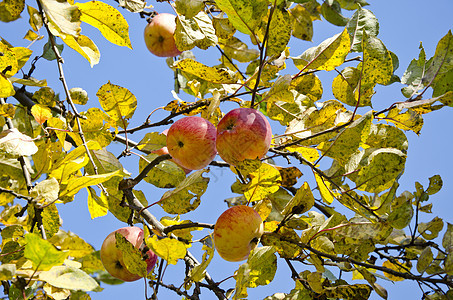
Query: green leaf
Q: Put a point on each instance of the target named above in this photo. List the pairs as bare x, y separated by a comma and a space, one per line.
265, 180
7, 271
349, 140
353, 291
75, 184
210, 74
363, 20
118, 102
72, 244
85, 46
431, 230
279, 32
167, 248
301, 202
132, 256
166, 174
309, 85
377, 62
262, 262
377, 168
413, 76
48, 53
352, 4
51, 220
401, 217
63, 18
386, 136
302, 23
108, 20
331, 11
152, 141
70, 278
441, 63
199, 271
97, 206
196, 31
10, 10
424, 260
189, 8
328, 55
435, 184
236, 49
42, 253
245, 15
187, 195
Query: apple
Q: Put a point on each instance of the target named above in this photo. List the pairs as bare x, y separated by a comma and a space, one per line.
237, 232
191, 142
112, 257
243, 133
159, 35
164, 150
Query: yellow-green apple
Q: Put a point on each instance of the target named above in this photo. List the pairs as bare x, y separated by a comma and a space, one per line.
243, 133
112, 257
237, 232
164, 150
159, 35
191, 142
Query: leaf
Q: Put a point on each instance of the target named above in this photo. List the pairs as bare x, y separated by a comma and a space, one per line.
6, 87
279, 32
7, 110
64, 18
302, 23
331, 11
424, 260
7, 271
413, 76
187, 195
447, 240
386, 136
16, 144
75, 184
42, 253
377, 62
435, 185
243, 14
97, 206
401, 217
167, 248
135, 6
35, 20
210, 74
395, 267
431, 230
265, 180
301, 202
51, 220
166, 174
409, 120
8, 61
72, 244
234, 48
196, 31
132, 256
199, 271
10, 10
262, 262
46, 191
78, 96
118, 102
325, 189
47, 51
85, 46
353, 291
96, 127
289, 175
189, 8
41, 113
349, 140
152, 141
363, 20
284, 249
108, 20
328, 55
70, 278
309, 85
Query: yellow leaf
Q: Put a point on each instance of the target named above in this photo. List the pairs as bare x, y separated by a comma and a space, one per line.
324, 188
326, 56
266, 180
395, 267
108, 20
167, 248
7, 110
97, 206
85, 46
41, 113
301, 202
210, 74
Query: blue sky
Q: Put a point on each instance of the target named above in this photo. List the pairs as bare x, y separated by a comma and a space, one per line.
403, 25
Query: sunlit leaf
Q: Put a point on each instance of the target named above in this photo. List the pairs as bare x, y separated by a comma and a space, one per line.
17, 144
46, 191
196, 31
7, 110
244, 15
10, 10
132, 256
303, 24
301, 202
210, 74
108, 20
167, 248
199, 271
98, 206
431, 229
353, 291
6, 87
64, 18
118, 102
326, 56
70, 278
264, 181
279, 32
41, 113
75, 184
331, 11
362, 20
441, 65
85, 46
71, 243
42, 253
236, 49
7, 271
166, 174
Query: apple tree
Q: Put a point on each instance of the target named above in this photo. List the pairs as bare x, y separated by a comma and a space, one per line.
316, 191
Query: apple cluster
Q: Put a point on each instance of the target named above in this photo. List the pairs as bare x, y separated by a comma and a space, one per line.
193, 142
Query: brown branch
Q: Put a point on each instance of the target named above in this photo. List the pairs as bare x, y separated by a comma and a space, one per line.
171, 228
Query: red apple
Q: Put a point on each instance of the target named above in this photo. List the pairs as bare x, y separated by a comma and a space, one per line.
243, 133
164, 150
159, 37
191, 142
112, 257
237, 232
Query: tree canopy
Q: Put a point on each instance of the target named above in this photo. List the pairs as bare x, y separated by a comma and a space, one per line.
327, 190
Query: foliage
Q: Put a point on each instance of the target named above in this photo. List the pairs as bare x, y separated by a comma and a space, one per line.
50, 152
